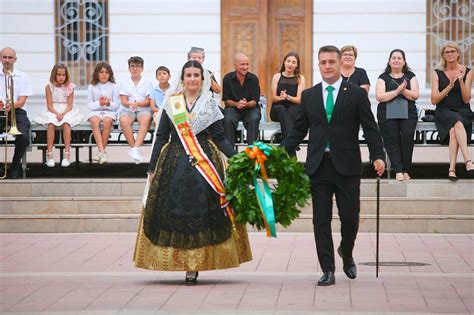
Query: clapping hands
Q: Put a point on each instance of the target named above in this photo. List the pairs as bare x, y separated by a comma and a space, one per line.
59, 116
104, 101
133, 106
401, 88
242, 104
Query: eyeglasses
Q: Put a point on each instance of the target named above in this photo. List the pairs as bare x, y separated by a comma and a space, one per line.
450, 52
135, 66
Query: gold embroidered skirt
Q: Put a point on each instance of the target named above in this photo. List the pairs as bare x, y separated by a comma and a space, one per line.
229, 254
182, 227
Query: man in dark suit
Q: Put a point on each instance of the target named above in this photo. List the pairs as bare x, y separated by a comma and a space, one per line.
333, 111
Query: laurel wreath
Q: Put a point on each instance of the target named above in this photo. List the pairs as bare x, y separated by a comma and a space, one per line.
289, 193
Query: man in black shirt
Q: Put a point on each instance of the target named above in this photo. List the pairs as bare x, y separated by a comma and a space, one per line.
241, 93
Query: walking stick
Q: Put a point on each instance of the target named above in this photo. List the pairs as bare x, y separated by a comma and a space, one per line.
377, 229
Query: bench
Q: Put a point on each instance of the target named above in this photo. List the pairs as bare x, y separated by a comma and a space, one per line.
425, 136
81, 137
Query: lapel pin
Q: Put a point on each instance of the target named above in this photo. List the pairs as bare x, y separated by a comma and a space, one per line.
345, 89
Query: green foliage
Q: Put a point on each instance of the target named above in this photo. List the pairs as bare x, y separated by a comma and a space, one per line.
291, 191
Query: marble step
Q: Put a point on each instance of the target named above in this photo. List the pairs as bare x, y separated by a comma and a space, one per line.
133, 205
67, 223
135, 187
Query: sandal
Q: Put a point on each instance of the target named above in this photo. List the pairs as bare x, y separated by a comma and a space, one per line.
65, 162
191, 278
50, 160
470, 171
399, 177
451, 177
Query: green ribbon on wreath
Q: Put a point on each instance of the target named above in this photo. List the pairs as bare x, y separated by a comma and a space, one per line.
259, 152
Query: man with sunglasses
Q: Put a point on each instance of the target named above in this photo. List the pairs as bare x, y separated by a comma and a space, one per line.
21, 90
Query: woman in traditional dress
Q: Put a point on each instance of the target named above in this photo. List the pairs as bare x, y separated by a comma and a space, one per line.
185, 224
451, 93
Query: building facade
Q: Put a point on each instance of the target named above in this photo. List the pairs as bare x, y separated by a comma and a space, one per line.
44, 32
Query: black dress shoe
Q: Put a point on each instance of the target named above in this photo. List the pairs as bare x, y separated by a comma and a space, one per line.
349, 265
328, 278
191, 278
15, 173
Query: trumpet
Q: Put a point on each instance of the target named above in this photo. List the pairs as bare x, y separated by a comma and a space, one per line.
9, 99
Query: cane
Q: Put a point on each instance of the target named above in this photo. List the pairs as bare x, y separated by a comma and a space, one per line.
377, 229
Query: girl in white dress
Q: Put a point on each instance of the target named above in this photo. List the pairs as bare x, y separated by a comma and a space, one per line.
103, 100
60, 112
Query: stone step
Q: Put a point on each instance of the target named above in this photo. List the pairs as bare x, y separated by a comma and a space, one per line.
70, 205
129, 223
133, 205
134, 187
76, 187
411, 205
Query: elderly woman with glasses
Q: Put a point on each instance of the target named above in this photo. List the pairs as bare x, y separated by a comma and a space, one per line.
198, 54
451, 93
350, 72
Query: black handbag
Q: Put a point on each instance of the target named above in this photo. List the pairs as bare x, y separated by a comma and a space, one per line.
429, 115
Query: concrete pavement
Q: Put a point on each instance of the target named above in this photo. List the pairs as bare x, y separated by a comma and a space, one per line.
93, 273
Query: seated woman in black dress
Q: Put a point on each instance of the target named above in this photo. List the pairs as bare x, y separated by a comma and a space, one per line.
398, 86
287, 86
350, 72
451, 93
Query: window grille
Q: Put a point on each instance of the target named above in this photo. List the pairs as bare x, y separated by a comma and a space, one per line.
449, 20
81, 33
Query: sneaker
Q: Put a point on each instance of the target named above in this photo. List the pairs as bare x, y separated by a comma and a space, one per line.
136, 155
102, 157
49, 159
97, 157
50, 163
65, 163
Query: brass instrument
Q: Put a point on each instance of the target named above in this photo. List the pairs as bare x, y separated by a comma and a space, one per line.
9, 98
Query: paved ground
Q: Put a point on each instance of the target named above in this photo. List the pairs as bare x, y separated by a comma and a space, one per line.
94, 274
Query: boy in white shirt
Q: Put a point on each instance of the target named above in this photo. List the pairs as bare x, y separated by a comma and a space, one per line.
134, 96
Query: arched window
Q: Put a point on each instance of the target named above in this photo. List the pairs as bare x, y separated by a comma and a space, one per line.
81, 33
449, 20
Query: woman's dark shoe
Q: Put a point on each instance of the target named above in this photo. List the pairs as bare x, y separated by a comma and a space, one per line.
191, 278
470, 170
452, 175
